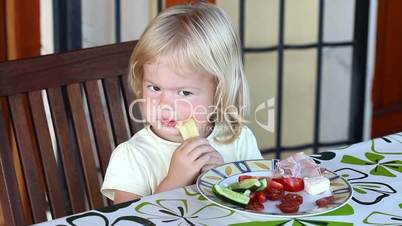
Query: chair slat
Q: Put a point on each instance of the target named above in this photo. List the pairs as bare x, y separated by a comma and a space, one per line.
113, 96
71, 171
28, 154
133, 111
84, 145
53, 181
102, 139
10, 199
64, 68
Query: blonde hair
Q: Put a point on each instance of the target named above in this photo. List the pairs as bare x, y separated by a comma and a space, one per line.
203, 37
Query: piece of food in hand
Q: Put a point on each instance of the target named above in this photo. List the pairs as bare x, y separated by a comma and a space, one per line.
316, 185
324, 202
188, 129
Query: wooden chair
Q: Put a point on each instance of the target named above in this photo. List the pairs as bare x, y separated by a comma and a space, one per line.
61, 116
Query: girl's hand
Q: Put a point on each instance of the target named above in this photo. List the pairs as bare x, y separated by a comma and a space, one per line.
214, 160
186, 163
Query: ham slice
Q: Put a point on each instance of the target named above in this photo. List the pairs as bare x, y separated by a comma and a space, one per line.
297, 165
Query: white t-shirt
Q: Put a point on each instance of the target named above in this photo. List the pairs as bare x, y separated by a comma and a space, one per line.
140, 164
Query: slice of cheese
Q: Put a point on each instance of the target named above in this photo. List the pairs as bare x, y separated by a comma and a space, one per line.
188, 129
316, 185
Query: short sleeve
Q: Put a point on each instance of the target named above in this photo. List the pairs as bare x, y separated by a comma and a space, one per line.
125, 172
247, 147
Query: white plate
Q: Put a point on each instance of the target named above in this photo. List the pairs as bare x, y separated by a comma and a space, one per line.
228, 173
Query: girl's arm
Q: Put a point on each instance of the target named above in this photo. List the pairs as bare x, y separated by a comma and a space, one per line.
122, 196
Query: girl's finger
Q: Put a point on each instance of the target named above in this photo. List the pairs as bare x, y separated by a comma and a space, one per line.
207, 167
200, 151
215, 158
200, 162
190, 144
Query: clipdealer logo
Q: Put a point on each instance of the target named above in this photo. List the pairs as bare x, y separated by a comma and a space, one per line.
155, 110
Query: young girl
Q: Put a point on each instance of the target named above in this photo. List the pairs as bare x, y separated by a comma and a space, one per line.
187, 64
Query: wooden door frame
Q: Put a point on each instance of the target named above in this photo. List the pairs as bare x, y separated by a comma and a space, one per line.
22, 28
3, 48
386, 92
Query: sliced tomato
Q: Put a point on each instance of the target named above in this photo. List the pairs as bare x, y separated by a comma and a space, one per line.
291, 184
256, 206
261, 197
243, 177
292, 199
258, 196
275, 194
323, 202
274, 190
288, 207
274, 185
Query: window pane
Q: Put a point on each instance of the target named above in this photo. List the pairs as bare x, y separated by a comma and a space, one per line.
335, 97
299, 96
301, 21
339, 20
261, 72
135, 16
97, 23
261, 23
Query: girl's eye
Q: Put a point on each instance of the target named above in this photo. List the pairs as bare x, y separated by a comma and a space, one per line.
185, 93
153, 88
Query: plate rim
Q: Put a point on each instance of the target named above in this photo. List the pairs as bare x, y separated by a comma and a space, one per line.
272, 215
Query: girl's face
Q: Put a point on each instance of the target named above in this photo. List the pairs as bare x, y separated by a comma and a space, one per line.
172, 96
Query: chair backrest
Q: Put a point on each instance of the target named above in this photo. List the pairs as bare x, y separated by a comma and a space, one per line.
61, 116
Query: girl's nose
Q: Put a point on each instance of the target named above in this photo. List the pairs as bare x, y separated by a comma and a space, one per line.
166, 104
166, 99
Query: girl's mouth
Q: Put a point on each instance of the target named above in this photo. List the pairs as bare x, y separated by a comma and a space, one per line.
168, 123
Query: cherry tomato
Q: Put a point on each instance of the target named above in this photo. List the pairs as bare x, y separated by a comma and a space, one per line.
256, 206
274, 190
288, 207
323, 202
258, 196
243, 177
274, 185
292, 198
274, 194
291, 184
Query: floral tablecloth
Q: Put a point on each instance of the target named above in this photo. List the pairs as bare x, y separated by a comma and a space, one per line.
373, 168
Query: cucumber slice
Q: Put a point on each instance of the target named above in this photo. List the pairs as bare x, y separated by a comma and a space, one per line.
247, 193
264, 184
230, 195
250, 184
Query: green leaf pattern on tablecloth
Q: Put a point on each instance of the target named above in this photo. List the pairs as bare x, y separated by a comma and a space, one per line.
365, 192
380, 168
177, 211
381, 218
387, 151
189, 192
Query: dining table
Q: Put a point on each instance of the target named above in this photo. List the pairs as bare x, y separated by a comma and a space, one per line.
372, 168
